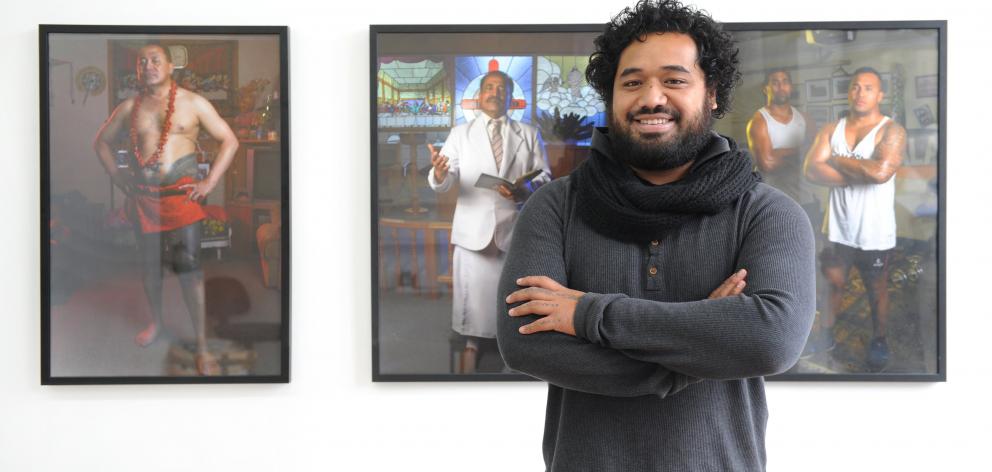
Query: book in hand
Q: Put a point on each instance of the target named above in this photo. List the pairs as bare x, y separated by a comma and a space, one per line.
493, 182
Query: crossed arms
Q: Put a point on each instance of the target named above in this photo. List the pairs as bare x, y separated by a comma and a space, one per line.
624, 346
826, 168
759, 143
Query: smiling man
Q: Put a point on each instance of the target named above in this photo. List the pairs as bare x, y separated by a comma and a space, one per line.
654, 286
491, 144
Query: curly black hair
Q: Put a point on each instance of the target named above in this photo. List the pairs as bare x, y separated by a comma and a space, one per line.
717, 50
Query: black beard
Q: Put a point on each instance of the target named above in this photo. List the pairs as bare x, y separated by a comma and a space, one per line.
649, 154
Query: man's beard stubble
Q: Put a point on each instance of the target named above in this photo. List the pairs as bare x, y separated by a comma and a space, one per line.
650, 154
782, 99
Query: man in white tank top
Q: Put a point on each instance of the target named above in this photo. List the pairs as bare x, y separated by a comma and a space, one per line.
777, 135
857, 157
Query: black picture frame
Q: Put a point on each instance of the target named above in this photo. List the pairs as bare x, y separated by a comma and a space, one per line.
818, 90
430, 41
838, 111
247, 271
926, 86
819, 114
838, 87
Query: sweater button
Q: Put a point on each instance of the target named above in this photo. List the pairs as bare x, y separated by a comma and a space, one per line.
653, 271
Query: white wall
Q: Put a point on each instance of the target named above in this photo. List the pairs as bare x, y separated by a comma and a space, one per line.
331, 417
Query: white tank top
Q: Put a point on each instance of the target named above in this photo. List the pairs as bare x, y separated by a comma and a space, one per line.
785, 135
861, 215
789, 175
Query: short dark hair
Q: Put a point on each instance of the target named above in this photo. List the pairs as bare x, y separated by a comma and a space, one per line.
868, 70
717, 53
507, 81
164, 48
768, 75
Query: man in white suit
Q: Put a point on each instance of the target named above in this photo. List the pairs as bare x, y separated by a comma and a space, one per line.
491, 144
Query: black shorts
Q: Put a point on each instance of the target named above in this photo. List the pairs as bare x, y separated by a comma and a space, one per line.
871, 264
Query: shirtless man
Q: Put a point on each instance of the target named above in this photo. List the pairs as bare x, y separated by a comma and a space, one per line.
857, 157
776, 136
163, 197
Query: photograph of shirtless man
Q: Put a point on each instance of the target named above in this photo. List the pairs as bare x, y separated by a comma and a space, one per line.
163, 197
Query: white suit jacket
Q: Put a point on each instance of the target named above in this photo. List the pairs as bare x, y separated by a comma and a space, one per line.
482, 215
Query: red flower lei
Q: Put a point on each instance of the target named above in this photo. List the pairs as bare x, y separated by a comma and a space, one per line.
166, 127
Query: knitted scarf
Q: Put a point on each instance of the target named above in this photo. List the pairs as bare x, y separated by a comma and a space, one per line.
618, 204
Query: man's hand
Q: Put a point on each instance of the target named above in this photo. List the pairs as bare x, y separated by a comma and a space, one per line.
123, 182
733, 286
199, 189
546, 298
440, 164
505, 192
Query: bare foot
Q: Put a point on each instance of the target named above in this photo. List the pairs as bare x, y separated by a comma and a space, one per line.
206, 364
147, 336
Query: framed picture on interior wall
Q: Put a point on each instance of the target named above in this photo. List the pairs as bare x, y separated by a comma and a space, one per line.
924, 115
881, 283
819, 114
926, 86
818, 90
433, 299
838, 87
165, 204
839, 111
434, 289
921, 146
886, 83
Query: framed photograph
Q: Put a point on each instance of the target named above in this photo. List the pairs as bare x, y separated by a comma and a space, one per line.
818, 90
924, 115
819, 114
165, 204
926, 86
921, 147
886, 83
839, 111
425, 84
855, 336
426, 91
839, 86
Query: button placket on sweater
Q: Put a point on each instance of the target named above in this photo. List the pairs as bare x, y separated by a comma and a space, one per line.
654, 260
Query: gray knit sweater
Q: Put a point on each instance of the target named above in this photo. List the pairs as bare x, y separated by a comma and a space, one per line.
658, 377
